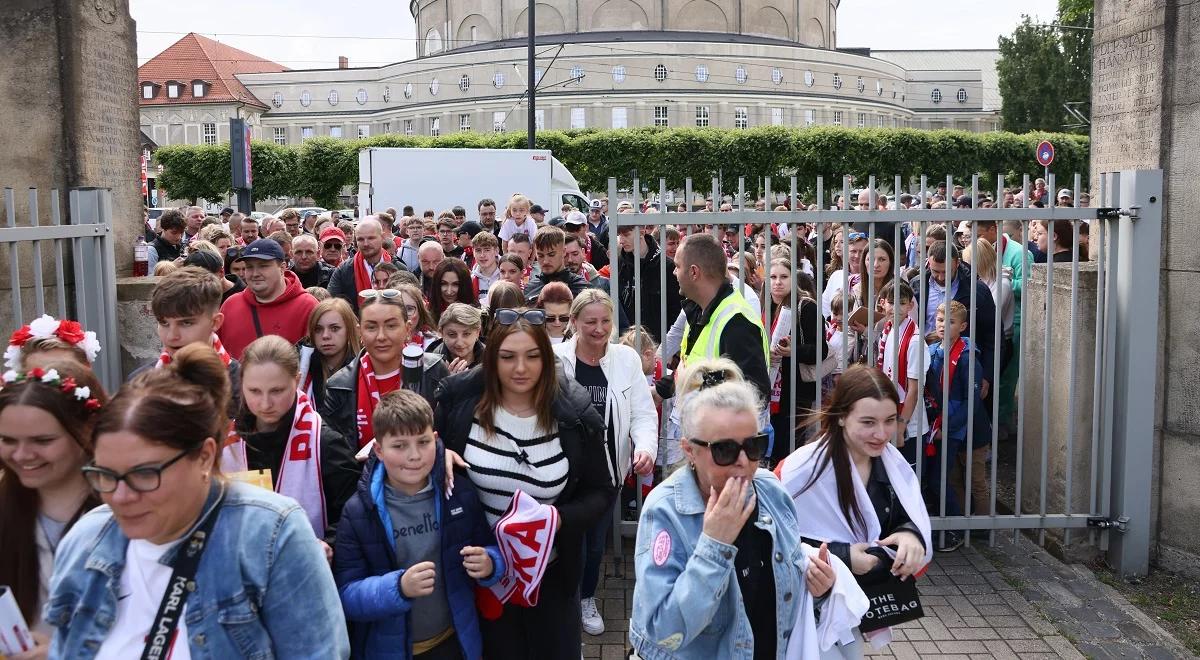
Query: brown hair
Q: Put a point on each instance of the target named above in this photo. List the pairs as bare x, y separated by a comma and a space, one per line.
466, 289
402, 412
424, 320
547, 383
19, 505
505, 294
334, 304
281, 237
704, 251
485, 239
549, 237
271, 349
857, 383
188, 291
53, 343
554, 292
180, 405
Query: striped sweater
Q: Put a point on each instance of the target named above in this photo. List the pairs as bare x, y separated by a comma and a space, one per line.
517, 456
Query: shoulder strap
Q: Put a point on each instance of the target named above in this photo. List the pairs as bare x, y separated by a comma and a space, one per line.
179, 587
257, 325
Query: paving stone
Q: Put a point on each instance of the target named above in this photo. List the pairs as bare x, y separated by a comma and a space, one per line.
916, 635
995, 610
1063, 647
974, 633
961, 647
904, 651
1027, 645
1000, 650
1016, 633
925, 648
937, 631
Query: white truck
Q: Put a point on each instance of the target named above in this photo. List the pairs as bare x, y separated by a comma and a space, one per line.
441, 179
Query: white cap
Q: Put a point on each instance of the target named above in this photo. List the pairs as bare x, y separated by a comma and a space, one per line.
1065, 192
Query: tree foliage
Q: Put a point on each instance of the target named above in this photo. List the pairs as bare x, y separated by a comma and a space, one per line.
321, 167
1043, 67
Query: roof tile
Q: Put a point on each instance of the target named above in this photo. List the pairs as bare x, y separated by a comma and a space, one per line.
196, 57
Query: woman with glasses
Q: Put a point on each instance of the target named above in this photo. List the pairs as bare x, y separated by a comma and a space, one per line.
183, 562
522, 427
857, 490
424, 329
612, 374
459, 345
279, 435
382, 366
45, 438
720, 568
451, 283
329, 345
555, 301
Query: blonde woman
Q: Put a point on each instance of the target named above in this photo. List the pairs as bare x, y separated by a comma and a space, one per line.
999, 281
612, 374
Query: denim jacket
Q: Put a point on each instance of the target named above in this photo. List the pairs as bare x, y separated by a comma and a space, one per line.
263, 587
686, 600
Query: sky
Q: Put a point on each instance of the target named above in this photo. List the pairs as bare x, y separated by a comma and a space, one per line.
311, 34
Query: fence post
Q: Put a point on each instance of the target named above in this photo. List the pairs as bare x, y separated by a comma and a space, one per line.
96, 295
1134, 366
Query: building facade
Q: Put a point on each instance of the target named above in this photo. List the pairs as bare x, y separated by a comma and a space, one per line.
611, 64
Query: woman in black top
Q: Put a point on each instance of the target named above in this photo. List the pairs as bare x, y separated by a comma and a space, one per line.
331, 343
811, 333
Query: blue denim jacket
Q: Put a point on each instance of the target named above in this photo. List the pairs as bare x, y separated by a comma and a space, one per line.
263, 588
686, 600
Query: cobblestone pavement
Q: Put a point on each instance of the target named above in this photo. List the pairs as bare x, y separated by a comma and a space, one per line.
977, 605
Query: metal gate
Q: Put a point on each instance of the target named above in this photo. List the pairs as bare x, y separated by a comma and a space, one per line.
71, 266
1095, 486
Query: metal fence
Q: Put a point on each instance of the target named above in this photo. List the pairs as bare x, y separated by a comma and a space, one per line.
1114, 461
69, 264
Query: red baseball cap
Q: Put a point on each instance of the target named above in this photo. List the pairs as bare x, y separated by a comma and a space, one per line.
332, 232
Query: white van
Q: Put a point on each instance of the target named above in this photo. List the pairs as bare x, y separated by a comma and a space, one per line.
441, 179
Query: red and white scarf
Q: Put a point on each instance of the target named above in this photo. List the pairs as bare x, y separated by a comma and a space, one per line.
362, 278
949, 366
525, 535
164, 359
300, 472
368, 397
306, 379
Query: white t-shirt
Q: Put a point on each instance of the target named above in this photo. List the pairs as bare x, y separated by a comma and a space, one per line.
917, 363
510, 228
143, 583
832, 285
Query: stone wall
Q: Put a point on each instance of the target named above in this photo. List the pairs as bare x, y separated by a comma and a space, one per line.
1146, 114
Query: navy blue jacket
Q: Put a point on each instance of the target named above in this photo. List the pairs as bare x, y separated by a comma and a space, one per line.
962, 390
368, 577
984, 331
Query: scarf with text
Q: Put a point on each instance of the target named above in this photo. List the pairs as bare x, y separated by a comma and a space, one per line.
164, 359
299, 475
525, 535
362, 278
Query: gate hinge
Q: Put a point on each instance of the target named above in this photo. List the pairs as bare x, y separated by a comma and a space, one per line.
1108, 213
1118, 524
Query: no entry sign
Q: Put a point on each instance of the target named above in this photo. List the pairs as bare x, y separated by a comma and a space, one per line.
1045, 153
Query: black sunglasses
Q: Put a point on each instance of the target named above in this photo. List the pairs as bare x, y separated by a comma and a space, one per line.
510, 316
725, 452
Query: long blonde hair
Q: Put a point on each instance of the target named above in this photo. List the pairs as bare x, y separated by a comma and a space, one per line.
983, 258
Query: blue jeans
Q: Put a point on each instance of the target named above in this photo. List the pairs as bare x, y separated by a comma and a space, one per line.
594, 550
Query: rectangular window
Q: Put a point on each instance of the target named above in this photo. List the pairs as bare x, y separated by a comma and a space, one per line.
147, 91
435, 126
578, 118
660, 115
198, 89
539, 120
408, 127
474, 34
364, 130
464, 122
620, 118
208, 133
306, 132
387, 127
837, 117
810, 117
702, 116
173, 91
895, 122
777, 116
280, 135
881, 120
498, 122
862, 120
741, 118
335, 131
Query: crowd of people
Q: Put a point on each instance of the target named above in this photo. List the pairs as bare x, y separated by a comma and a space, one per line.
421, 428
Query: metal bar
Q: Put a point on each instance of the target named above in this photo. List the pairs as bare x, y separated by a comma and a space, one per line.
943, 476
14, 257
997, 342
968, 492
1135, 369
741, 233
1013, 522
26, 234
1071, 361
1046, 367
820, 291
1022, 379
891, 215
110, 373
60, 288
1099, 229
842, 360
663, 322
1107, 437
39, 291
922, 295
868, 299
637, 241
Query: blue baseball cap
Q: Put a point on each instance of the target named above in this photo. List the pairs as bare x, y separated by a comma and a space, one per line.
263, 248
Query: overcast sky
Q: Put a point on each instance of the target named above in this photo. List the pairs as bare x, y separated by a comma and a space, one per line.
307, 34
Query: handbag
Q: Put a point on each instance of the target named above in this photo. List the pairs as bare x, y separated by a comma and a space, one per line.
893, 602
808, 372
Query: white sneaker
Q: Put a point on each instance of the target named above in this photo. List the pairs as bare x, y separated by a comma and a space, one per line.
592, 623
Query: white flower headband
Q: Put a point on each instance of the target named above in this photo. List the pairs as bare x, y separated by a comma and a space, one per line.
47, 326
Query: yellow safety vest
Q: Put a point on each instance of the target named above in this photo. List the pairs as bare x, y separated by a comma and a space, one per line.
709, 342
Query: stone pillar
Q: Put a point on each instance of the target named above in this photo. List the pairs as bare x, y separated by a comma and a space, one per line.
1145, 114
68, 95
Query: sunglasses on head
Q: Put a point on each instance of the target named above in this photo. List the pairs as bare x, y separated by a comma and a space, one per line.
509, 316
386, 294
725, 452
857, 236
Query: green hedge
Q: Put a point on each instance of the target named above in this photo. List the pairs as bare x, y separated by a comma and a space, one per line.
320, 167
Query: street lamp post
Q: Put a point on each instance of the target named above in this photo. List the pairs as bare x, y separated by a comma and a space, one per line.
532, 80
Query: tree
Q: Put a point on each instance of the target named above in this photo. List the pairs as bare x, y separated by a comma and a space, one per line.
1044, 67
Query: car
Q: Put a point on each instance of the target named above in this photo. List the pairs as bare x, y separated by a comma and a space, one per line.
301, 209
257, 216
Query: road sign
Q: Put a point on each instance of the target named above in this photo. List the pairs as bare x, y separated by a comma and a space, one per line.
1045, 153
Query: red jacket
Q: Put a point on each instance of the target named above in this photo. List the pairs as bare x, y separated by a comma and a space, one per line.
286, 316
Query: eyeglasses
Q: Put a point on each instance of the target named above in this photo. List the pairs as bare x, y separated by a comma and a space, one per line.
510, 316
140, 479
386, 294
725, 452
563, 319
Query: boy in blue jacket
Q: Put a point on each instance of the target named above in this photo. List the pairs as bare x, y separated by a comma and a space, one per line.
408, 556
957, 360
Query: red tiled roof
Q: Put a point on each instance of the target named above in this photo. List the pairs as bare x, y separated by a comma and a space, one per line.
196, 57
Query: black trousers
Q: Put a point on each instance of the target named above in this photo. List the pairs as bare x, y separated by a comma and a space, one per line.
549, 631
